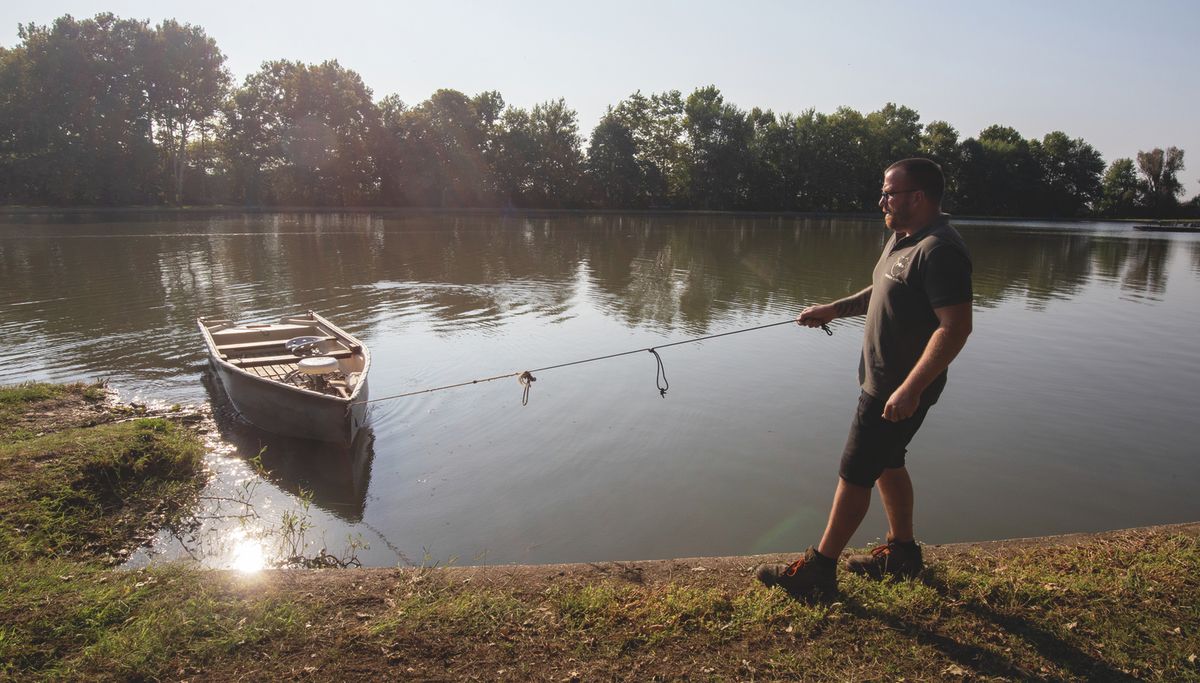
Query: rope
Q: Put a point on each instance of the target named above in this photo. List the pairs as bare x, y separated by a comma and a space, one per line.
526, 377
660, 377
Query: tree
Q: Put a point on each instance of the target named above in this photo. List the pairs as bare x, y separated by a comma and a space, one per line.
939, 142
439, 153
839, 172
656, 123
1120, 191
557, 166
719, 135
613, 171
1160, 170
187, 83
78, 126
1070, 174
1000, 175
776, 162
302, 134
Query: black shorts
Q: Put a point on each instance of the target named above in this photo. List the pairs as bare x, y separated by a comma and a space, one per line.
874, 443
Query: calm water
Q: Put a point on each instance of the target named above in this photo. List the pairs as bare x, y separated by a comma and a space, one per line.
1069, 410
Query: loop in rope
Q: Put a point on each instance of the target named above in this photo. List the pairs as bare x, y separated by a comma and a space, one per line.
526, 379
660, 377
827, 330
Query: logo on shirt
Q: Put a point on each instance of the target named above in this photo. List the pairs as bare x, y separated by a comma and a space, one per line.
898, 267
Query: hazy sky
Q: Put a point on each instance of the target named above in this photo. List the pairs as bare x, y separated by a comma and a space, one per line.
1121, 75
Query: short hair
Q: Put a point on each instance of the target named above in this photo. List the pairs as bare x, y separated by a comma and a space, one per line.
925, 174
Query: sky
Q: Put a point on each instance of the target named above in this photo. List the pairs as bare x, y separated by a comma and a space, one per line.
1121, 75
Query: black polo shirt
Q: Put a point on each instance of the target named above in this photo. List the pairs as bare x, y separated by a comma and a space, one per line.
929, 269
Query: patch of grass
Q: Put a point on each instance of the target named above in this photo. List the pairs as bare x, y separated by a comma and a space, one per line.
434, 605
86, 492
69, 621
590, 606
33, 407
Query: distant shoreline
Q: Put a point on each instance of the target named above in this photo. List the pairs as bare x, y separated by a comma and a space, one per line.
388, 210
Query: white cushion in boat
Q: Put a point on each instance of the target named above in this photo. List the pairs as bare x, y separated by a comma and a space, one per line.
318, 365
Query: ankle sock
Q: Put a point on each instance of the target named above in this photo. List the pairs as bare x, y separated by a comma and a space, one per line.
825, 561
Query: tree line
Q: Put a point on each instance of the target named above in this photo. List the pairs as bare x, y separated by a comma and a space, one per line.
112, 111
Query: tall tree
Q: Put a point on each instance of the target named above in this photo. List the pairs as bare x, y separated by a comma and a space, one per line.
939, 142
1160, 170
776, 163
1070, 174
613, 171
1120, 189
514, 158
305, 132
1000, 175
187, 83
839, 174
558, 162
719, 136
79, 127
440, 146
656, 123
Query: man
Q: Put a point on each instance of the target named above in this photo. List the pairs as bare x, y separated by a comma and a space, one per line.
918, 317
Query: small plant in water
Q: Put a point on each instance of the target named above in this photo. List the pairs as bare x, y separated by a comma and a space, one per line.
287, 541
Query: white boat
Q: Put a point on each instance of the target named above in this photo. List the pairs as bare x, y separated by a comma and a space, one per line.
302, 376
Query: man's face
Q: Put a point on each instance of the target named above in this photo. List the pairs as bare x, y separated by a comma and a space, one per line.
898, 201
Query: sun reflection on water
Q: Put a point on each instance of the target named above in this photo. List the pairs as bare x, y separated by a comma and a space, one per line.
248, 555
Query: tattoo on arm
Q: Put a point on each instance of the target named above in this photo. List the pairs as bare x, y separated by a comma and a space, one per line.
853, 305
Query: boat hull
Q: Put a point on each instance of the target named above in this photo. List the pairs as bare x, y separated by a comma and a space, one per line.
273, 408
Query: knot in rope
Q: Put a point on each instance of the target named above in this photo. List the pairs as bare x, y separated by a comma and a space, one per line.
827, 330
526, 379
660, 377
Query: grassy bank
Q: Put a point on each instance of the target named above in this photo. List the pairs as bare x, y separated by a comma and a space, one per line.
1116, 606
83, 480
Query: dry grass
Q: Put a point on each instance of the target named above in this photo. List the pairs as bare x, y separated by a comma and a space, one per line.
1117, 606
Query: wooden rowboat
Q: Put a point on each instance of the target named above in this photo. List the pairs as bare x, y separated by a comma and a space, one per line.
302, 376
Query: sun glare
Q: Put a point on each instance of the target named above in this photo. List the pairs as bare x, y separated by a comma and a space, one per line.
248, 556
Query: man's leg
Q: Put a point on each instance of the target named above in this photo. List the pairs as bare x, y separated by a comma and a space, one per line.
850, 504
895, 488
901, 556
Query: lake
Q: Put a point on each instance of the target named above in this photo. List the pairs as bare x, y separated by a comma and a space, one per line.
1069, 410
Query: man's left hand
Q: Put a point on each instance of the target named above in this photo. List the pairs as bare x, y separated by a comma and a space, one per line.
901, 405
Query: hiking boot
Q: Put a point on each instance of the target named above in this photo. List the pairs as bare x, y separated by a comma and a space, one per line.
807, 577
902, 560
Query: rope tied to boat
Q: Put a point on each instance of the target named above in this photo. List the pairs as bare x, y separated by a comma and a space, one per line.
526, 378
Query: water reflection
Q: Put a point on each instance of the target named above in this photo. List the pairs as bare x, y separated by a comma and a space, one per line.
681, 272
247, 554
336, 475
1065, 315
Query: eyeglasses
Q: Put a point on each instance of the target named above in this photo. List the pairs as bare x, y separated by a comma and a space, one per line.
888, 195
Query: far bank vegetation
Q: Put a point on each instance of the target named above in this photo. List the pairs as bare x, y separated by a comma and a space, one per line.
116, 112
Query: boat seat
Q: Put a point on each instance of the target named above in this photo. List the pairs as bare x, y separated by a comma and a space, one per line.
248, 332
317, 365
284, 359
258, 345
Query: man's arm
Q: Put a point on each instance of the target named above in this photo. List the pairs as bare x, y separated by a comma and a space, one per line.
855, 304
954, 326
